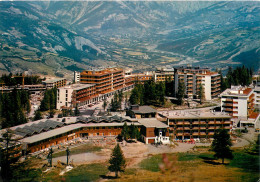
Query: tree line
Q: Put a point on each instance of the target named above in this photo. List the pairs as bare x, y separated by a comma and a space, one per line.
238, 76
10, 80
48, 103
13, 108
149, 93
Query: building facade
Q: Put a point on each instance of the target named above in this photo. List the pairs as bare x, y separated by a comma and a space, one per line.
76, 77
57, 82
196, 124
106, 80
238, 102
163, 74
194, 77
76, 94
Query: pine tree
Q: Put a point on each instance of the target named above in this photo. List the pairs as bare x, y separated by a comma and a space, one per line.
125, 132
180, 93
9, 153
221, 145
117, 161
104, 104
201, 94
76, 111
38, 115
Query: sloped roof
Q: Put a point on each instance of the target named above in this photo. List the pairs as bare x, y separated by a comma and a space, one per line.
35, 128
152, 123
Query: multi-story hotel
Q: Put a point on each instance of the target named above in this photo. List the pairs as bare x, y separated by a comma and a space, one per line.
106, 80
238, 102
193, 77
71, 95
195, 124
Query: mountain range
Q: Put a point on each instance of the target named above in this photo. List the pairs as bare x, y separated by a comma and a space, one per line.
57, 37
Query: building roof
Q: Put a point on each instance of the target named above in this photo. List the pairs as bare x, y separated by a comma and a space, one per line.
65, 129
53, 80
144, 110
103, 119
35, 128
152, 123
237, 91
77, 86
193, 114
51, 133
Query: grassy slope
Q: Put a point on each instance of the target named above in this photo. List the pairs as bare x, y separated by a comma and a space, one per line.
185, 167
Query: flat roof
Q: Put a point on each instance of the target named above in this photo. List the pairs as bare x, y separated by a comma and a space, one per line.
193, 114
237, 91
152, 123
53, 80
77, 86
144, 110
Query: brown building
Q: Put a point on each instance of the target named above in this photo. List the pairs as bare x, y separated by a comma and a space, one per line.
138, 112
106, 80
196, 124
154, 131
56, 82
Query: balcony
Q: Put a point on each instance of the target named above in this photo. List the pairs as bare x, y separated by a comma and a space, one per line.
179, 134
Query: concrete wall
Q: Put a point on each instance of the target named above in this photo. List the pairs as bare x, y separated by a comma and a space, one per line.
242, 107
207, 87
63, 97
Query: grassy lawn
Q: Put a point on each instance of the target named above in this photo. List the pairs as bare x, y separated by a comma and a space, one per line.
199, 166
151, 163
90, 172
78, 150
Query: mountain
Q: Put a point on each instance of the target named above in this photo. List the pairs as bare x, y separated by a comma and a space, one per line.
62, 36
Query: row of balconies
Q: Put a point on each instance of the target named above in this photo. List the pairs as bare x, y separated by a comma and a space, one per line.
198, 122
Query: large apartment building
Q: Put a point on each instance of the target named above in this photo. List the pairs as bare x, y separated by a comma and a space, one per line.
71, 95
195, 124
106, 80
238, 102
193, 77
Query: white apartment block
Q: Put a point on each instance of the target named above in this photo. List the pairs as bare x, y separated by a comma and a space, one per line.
238, 102
257, 97
193, 77
71, 95
76, 77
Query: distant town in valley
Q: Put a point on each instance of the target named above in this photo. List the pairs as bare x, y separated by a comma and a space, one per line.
129, 91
